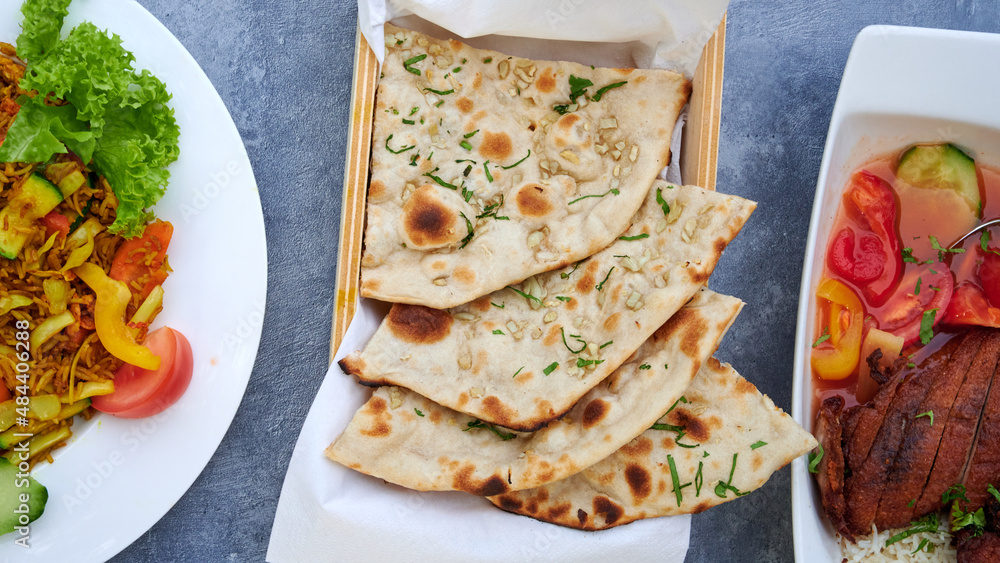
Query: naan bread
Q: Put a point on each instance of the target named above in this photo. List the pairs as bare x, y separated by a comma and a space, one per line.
409, 440
731, 423
465, 210
522, 362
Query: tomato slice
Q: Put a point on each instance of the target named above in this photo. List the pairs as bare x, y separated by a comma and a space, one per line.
141, 392
866, 251
989, 275
904, 312
969, 306
55, 222
141, 261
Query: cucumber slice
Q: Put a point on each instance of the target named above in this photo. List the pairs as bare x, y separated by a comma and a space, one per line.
941, 167
14, 487
37, 197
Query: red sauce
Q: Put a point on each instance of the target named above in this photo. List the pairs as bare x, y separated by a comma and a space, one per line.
917, 217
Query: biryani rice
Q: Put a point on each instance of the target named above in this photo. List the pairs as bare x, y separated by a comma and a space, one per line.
74, 357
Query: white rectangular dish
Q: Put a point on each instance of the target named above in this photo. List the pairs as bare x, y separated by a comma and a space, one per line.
900, 86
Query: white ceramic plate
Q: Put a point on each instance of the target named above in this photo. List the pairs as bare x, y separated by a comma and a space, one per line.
118, 477
900, 86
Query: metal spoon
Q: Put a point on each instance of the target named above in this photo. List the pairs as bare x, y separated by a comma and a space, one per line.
985, 225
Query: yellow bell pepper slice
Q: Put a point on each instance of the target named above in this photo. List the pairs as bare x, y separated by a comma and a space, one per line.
838, 356
113, 297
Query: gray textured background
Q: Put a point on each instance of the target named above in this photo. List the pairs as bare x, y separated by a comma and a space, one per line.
284, 68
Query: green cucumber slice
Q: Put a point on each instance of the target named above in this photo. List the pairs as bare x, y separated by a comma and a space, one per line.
941, 167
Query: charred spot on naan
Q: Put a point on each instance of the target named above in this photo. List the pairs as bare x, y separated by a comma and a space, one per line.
570, 143
546, 81
465, 480
464, 275
610, 509
687, 325
352, 364
464, 105
640, 483
496, 146
594, 413
534, 200
377, 191
417, 324
378, 412
699, 430
638, 448
429, 221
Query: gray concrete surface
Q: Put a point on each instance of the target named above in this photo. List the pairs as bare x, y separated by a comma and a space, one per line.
283, 69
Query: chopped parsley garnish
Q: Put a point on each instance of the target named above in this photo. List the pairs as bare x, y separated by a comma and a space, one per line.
467, 194
491, 211
418, 411
680, 430
457, 69
480, 424
908, 255
823, 337
611, 191
916, 290
600, 286
440, 92
563, 298
466, 172
414, 110
961, 519
663, 203
413, 159
814, 459
409, 121
600, 92
439, 104
581, 363
551, 368
645, 366
927, 326
927, 524
928, 414
925, 543
911, 503
721, 490
518, 371
525, 295
497, 331
470, 135
758, 444
466, 160
608, 343
954, 492
993, 491
465, 145
699, 479
486, 167
577, 87
468, 237
676, 481
566, 275
488, 60
408, 63
438, 180
941, 251
500, 306
518, 162
403, 149
583, 344
667, 366
636, 237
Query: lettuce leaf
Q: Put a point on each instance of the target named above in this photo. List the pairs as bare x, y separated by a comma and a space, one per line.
139, 141
43, 19
88, 69
116, 117
41, 130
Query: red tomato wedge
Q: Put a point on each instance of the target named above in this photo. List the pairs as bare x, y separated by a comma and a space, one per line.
141, 261
989, 275
865, 249
904, 312
969, 306
141, 392
55, 222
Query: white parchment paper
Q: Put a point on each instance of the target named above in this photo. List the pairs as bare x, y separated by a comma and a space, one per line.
330, 513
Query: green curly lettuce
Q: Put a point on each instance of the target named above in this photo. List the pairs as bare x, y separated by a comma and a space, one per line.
40, 28
116, 117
